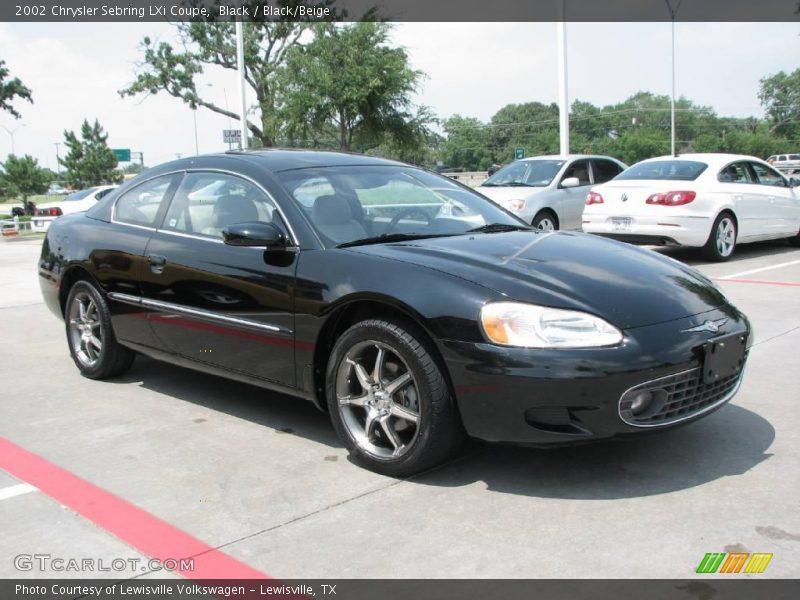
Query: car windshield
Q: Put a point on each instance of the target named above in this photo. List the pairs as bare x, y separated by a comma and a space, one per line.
80, 195
372, 204
677, 170
528, 173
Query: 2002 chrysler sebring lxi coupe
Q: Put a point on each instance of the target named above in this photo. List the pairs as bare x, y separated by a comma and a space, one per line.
410, 308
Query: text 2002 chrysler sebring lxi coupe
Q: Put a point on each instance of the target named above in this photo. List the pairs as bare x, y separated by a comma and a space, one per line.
409, 307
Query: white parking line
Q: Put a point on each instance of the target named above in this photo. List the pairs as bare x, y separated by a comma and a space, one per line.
751, 271
16, 490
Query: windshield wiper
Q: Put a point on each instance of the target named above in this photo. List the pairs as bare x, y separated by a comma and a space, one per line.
499, 227
515, 184
392, 237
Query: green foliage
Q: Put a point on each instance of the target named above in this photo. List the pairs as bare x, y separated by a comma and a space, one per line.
174, 69
89, 161
780, 96
349, 85
467, 144
22, 177
10, 89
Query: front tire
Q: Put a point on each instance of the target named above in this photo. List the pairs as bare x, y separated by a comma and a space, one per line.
90, 337
545, 221
389, 401
721, 242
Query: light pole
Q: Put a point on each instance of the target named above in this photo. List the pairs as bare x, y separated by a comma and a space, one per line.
673, 12
196, 145
58, 159
563, 96
11, 133
240, 65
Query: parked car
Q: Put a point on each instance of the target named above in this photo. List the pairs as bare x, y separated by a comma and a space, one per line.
788, 163
410, 327
56, 190
549, 191
709, 201
76, 202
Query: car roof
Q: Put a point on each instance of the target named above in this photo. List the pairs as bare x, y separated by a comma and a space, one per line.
282, 159
710, 158
567, 157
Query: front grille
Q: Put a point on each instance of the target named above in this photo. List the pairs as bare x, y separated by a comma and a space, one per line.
682, 396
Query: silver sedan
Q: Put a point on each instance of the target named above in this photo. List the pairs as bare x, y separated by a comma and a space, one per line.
550, 191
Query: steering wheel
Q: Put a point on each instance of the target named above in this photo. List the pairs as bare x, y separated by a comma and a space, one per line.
406, 212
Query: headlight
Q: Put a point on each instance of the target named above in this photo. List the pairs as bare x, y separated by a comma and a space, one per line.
531, 326
514, 205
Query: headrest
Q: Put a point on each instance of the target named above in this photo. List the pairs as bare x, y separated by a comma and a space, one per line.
331, 210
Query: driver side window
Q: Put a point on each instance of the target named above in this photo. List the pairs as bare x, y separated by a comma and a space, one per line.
206, 203
579, 169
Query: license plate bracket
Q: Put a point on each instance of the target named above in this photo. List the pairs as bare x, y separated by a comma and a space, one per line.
621, 223
724, 356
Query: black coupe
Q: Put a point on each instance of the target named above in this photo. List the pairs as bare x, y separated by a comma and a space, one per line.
409, 307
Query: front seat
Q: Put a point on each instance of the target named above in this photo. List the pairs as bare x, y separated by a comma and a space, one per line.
229, 210
333, 216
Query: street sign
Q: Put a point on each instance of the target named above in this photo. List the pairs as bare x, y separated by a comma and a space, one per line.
122, 154
232, 136
519, 153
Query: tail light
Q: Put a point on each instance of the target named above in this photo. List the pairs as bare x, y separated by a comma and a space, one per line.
50, 212
593, 198
672, 198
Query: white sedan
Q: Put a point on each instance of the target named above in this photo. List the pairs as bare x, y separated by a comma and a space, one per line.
711, 201
76, 202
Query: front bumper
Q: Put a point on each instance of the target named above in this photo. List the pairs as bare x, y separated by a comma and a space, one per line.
658, 229
543, 397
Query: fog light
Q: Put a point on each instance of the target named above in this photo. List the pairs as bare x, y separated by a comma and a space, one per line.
640, 402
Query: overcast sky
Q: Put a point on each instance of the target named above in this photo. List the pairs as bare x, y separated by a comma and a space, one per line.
75, 70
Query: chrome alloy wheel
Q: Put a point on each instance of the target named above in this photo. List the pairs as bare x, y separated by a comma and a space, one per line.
85, 329
378, 400
725, 236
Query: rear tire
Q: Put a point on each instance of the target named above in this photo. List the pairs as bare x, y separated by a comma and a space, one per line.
721, 242
545, 220
90, 337
398, 418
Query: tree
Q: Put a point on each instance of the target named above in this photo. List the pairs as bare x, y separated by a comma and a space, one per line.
348, 83
23, 177
205, 45
780, 97
467, 145
89, 161
10, 89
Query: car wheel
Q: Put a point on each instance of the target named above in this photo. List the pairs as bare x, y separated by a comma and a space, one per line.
722, 239
389, 401
90, 337
795, 241
545, 221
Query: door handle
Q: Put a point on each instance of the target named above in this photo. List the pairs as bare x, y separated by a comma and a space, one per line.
157, 263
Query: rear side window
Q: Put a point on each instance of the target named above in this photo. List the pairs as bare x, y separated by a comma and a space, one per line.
677, 170
605, 170
139, 206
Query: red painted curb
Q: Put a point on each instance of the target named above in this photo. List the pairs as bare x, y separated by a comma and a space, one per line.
148, 534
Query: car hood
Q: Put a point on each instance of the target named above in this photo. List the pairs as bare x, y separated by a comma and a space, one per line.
628, 286
501, 194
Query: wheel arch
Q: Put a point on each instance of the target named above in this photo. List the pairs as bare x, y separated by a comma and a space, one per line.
70, 276
351, 311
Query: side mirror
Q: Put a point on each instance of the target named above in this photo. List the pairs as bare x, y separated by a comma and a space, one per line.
794, 182
570, 182
254, 234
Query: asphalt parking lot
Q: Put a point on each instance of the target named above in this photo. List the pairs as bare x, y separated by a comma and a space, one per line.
262, 479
